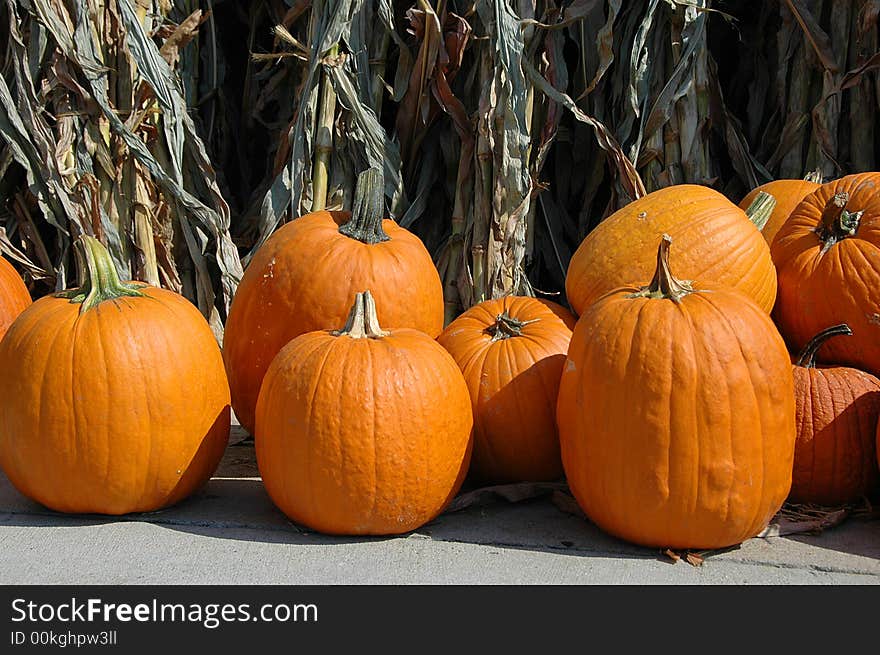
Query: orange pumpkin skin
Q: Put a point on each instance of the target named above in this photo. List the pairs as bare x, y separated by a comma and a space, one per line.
363, 436
511, 352
121, 408
14, 295
715, 243
837, 412
303, 279
676, 419
840, 283
788, 194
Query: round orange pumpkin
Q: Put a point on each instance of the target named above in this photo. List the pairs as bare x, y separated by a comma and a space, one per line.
827, 256
788, 194
113, 397
305, 275
837, 412
676, 414
363, 431
14, 295
511, 352
715, 243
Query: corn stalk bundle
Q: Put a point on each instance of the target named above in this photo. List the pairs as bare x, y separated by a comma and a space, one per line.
506, 129
98, 139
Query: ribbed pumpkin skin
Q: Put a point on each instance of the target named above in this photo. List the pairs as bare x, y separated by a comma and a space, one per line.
715, 242
837, 409
363, 436
124, 408
303, 279
788, 194
14, 295
677, 421
513, 384
841, 285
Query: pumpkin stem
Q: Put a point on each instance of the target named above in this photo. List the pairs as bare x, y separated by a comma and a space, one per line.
761, 208
365, 223
814, 176
505, 326
664, 284
837, 223
98, 276
807, 358
362, 322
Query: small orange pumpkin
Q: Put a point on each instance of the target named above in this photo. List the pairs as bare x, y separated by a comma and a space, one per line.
837, 409
788, 194
14, 295
827, 255
676, 414
511, 352
305, 275
113, 397
363, 431
717, 243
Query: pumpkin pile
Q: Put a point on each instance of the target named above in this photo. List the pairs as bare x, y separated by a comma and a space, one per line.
721, 360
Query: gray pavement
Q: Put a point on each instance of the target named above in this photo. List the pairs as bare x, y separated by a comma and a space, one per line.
230, 533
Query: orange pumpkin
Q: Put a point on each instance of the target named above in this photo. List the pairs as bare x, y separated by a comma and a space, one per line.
716, 243
305, 275
363, 431
828, 258
511, 352
788, 194
113, 397
14, 295
676, 414
837, 413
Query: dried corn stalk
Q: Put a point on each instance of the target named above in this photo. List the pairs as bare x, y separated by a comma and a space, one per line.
98, 140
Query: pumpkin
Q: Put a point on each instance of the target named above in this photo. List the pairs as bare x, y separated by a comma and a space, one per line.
511, 352
716, 243
363, 431
837, 409
113, 397
14, 295
305, 275
828, 259
788, 194
676, 414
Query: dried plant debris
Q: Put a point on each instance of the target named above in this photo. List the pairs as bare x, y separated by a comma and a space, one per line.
184, 132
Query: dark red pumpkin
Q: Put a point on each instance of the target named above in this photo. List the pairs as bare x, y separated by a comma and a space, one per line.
837, 409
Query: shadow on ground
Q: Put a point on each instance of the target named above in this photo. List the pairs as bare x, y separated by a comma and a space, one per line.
234, 506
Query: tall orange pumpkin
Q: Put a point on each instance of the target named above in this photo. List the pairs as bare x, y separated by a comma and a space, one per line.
716, 242
305, 275
363, 431
837, 412
788, 194
828, 258
511, 352
113, 397
676, 414
14, 295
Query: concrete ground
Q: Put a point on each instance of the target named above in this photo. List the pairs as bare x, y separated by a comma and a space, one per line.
230, 533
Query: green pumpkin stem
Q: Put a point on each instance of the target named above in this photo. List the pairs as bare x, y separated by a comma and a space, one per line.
837, 223
505, 326
97, 276
365, 223
362, 321
664, 285
761, 208
807, 358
